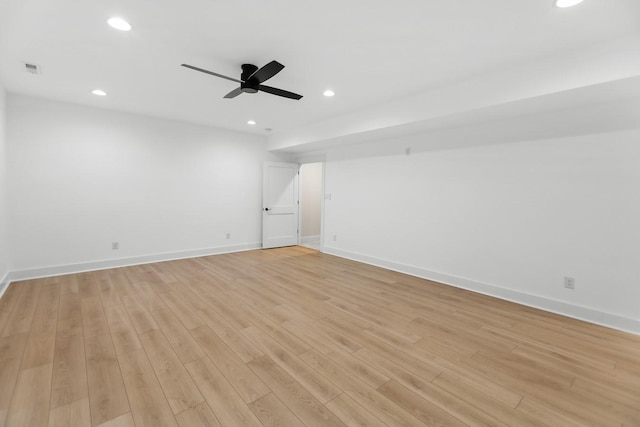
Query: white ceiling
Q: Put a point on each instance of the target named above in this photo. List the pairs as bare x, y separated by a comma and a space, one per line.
369, 52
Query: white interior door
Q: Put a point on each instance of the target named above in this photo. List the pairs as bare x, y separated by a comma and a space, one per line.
280, 205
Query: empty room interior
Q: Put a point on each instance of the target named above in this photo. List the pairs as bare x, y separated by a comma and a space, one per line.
328, 213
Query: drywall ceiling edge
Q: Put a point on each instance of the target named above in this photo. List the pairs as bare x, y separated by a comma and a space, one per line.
585, 68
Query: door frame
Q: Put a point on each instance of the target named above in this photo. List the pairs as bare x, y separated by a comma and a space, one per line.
323, 197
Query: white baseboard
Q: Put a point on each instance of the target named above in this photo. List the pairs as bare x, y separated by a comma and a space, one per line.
59, 270
310, 239
559, 307
4, 284
547, 304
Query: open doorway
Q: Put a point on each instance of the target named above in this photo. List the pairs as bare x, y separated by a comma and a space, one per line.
311, 181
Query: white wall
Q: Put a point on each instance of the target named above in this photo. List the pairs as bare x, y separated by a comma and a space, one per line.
310, 199
509, 219
4, 239
82, 178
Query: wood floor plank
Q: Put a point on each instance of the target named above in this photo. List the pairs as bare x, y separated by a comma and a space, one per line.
69, 284
306, 407
234, 317
121, 283
182, 310
236, 342
523, 370
378, 317
181, 340
504, 413
246, 383
352, 414
434, 396
9, 301
125, 338
148, 296
227, 405
570, 365
327, 341
148, 404
275, 330
20, 319
525, 343
69, 371
272, 412
42, 335
604, 353
423, 362
198, 416
606, 390
88, 284
30, 401
39, 350
391, 369
419, 407
74, 414
370, 399
125, 420
462, 334
107, 395
549, 415
93, 318
178, 387
301, 330
46, 315
140, 317
69, 313
106, 289
321, 388
291, 336
11, 353
358, 367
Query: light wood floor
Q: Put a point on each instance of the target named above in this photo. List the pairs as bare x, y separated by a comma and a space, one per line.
292, 337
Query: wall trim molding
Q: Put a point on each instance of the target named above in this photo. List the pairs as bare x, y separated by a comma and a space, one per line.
310, 239
554, 306
36, 273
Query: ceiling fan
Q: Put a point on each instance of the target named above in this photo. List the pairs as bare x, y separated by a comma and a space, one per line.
252, 78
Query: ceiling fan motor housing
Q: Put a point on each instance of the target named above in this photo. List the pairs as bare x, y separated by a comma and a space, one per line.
249, 85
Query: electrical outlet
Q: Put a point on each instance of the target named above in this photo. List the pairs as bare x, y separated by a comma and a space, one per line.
569, 283
327, 196
335, 237
115, 246
228, 236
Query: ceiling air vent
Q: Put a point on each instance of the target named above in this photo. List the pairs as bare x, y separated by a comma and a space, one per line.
32, 68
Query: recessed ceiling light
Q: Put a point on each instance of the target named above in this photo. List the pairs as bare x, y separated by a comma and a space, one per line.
119, 24
99, 92
567, 3
251, 122
328, 93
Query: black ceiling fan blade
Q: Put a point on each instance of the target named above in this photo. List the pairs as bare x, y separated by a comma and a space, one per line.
266, 72
279, 92
237, 91
202, 70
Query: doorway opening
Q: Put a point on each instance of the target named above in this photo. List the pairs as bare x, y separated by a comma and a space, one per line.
311, 188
